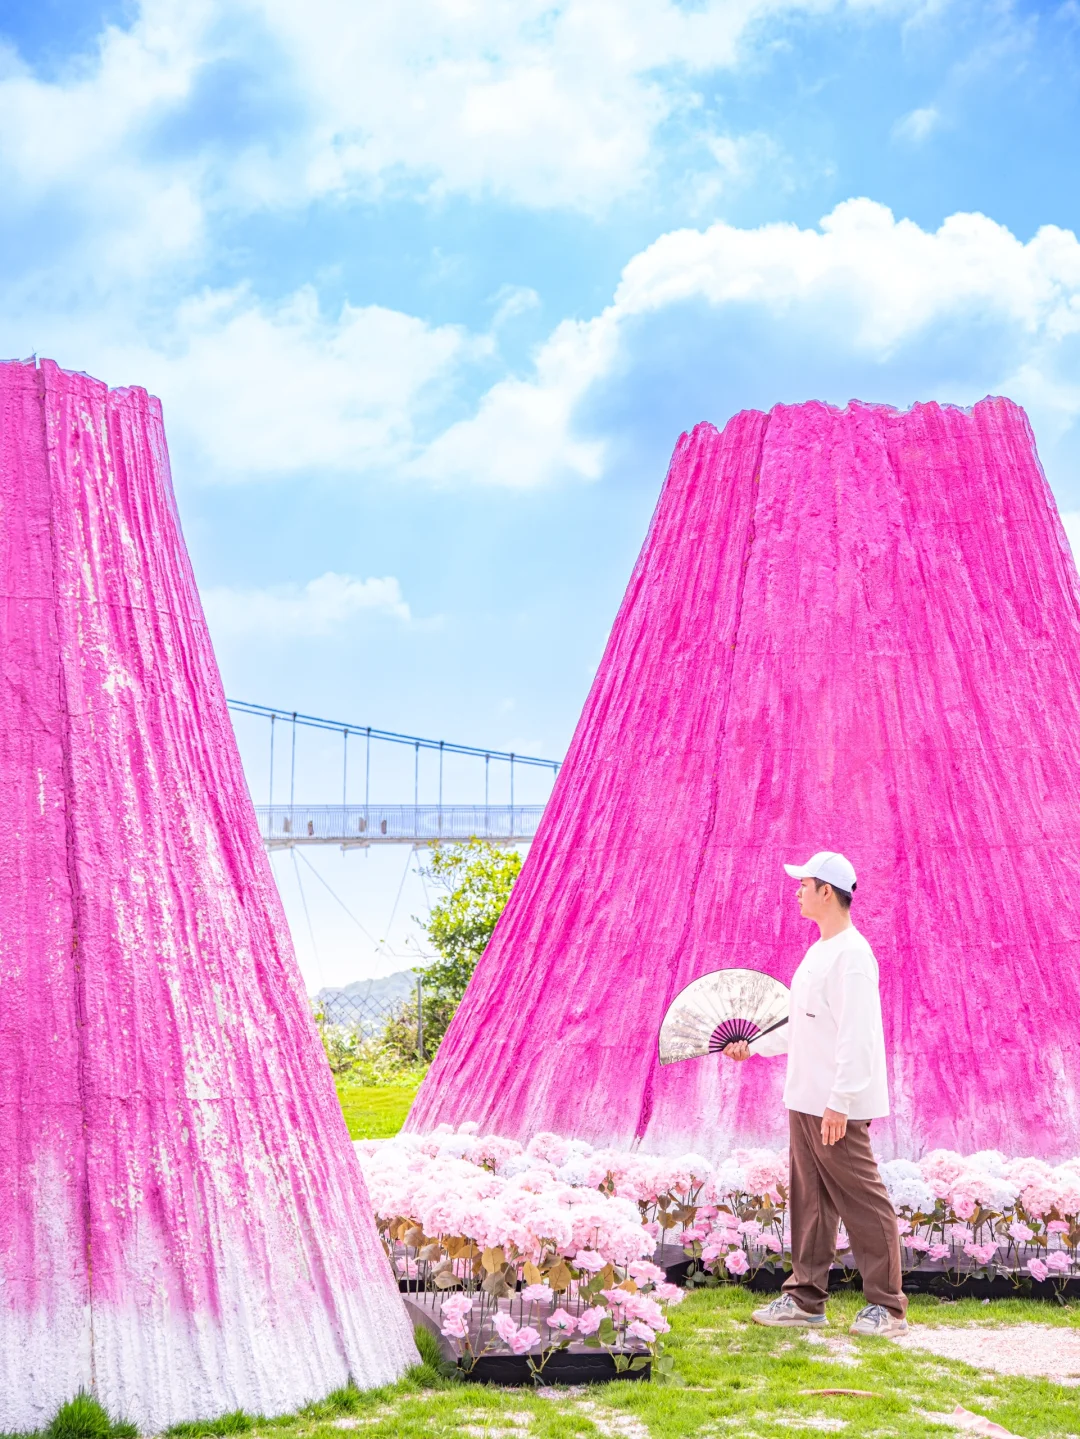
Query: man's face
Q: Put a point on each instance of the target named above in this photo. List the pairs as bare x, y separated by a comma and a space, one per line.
812, 901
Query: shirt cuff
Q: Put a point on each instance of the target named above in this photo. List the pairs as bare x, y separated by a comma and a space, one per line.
840, 1103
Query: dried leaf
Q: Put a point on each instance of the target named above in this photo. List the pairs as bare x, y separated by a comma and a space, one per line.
430, 1252
629, 1286
495, 1284
415, 1237
446, 1279
493, 1259
666, 1220
559, 1277
532, 1274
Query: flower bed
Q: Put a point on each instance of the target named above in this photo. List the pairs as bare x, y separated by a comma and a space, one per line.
538, 1248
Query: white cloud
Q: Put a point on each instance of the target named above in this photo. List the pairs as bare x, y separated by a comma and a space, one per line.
292, 610
81, 138
253, 391
546, 103
918, 125
542, 102
864, 284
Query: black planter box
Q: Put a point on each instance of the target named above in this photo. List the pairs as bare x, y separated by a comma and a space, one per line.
566, 1367
931, 1281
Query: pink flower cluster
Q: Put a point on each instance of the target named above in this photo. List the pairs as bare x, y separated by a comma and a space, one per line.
562, 1200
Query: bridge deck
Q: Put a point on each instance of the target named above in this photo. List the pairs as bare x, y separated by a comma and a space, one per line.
359, 825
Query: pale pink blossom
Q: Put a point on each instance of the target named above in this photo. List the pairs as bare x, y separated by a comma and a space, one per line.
1037, 1269
1059, 1262
916, 1242
589, 1320
771, 1242
669, 1293
504, 1326
537, 1294
1057, 1226
457, 1306
736, 1262
643, 1272
589, 1260
981, 1253
560, 1321
638, 1329
938, 1251
525, 1339
1020, 1232
455, 1328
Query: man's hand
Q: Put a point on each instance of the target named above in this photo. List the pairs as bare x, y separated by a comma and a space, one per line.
833, 1126
738, 1050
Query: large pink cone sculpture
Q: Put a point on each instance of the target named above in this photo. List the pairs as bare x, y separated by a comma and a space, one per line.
183, 1225
853, 630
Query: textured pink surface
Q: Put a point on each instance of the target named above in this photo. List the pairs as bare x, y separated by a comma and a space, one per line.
851, 629
183, 1222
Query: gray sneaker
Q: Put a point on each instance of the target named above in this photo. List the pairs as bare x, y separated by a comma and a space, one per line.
785, 1312
875, 1319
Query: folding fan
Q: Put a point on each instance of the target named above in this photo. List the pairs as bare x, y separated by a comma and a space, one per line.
720, 1008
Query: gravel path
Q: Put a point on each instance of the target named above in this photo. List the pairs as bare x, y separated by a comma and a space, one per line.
1036, 1350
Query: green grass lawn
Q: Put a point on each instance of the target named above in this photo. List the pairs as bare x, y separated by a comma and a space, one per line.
375, 1112
736, 1378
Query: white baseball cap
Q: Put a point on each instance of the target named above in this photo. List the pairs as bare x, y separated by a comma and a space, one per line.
829, 867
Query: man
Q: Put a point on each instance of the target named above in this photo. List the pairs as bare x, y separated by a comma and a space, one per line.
835, 1086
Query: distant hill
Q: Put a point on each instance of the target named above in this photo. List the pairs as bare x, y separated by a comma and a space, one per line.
366, 1000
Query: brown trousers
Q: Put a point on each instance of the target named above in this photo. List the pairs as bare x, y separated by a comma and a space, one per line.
840, 1181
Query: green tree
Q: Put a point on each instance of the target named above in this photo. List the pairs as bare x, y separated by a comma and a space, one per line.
477, 877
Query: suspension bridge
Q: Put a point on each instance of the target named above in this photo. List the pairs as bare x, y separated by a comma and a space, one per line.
356, 823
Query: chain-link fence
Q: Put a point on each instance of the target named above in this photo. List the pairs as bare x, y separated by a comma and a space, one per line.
354, 1017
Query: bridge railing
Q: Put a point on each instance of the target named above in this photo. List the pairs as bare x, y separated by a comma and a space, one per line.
358, 825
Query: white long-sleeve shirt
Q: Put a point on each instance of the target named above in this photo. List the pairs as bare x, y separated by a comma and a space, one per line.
834, 1039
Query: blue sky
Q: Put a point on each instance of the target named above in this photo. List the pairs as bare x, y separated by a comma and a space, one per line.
429, 290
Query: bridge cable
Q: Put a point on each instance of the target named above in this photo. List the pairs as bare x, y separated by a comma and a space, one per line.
401, 886
307, 916
336, 896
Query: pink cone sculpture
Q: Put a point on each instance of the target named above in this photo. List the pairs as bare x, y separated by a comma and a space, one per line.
848, 629
183, 1224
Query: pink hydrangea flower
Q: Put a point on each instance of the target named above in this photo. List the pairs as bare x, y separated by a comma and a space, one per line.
736, 1262
1037, 1269
562, 1322
1058, 1262
589, 1261
638, 1329
589, 1320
